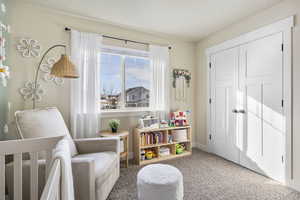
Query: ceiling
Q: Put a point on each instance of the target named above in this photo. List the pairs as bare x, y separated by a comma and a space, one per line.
190, 20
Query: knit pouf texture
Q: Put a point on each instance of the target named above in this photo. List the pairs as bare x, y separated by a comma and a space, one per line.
161, 182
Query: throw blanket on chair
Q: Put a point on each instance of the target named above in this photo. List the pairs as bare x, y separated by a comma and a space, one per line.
62, 152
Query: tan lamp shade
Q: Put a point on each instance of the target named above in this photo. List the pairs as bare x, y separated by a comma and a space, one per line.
64, 68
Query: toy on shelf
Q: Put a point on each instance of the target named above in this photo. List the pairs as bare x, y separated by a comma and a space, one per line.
143, 155
180, 148
148, 122
163, 124
150, 154
179, 118
170, 138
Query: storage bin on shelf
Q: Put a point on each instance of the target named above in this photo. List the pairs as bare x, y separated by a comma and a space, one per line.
164, 151
179, 135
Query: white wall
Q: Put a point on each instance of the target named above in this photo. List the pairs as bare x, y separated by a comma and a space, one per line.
268, 16
47, 26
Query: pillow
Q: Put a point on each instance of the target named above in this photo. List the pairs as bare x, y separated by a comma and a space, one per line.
46, 122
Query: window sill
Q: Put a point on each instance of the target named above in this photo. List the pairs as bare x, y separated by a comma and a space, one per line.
123, 113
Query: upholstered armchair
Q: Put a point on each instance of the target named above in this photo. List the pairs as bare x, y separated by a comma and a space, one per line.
95, 161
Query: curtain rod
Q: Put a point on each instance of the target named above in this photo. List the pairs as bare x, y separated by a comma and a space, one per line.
121, 39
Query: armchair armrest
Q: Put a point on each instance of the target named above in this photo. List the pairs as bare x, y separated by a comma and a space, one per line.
94, 145
84, 178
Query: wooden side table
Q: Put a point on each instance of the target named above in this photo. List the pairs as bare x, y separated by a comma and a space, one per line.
123, 137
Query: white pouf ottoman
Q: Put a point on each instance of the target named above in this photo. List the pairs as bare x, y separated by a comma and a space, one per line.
160, 182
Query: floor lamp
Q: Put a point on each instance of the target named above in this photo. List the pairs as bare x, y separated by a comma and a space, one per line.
63, 68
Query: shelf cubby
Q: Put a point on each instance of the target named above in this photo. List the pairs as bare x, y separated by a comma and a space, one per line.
138, 147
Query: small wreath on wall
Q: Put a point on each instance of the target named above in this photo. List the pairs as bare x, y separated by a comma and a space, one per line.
29, 48
177, 73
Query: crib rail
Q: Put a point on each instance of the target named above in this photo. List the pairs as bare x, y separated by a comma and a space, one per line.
17, 148
52, 189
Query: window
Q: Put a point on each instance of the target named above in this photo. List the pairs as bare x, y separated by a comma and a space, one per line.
126, 78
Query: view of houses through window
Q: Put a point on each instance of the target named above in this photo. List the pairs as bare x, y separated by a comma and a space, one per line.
125, 81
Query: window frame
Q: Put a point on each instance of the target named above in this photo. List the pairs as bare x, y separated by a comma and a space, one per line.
123, 109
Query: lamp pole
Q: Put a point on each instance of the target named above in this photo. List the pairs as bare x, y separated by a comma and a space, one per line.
39, 66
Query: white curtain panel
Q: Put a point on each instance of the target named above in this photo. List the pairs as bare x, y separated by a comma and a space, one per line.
160, 97
85, 91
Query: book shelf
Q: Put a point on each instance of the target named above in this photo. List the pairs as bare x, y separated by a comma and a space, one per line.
142, 144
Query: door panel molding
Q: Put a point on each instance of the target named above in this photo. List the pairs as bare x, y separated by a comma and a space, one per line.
285, 28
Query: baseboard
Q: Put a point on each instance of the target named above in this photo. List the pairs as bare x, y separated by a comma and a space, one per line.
201, 147
294, 186
195, 145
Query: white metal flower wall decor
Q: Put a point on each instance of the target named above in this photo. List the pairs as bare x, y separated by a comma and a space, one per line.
46, 68
32, 92
29, 48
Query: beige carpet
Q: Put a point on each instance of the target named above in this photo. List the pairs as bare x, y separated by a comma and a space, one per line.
208, 177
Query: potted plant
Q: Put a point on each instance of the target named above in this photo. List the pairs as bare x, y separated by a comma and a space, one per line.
114, 125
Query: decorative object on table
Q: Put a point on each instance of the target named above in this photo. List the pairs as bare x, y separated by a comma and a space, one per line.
180, 148
179, 118
32, 91
148, 122
63, 68
114, 125
46, 68
181, 81
29, 47
163, 124
123, 135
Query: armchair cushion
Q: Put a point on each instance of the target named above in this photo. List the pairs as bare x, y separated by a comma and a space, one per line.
46, 122
98, 171
104, 163
94, 145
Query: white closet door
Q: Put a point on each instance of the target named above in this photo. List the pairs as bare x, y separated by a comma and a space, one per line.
261, 83
223, 78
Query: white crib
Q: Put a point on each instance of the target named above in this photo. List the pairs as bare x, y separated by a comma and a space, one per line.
17, 148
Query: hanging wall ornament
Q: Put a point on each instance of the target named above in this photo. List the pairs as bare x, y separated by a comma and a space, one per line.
32, 92
29, 48
4, 70
3, 8
4, 75
46, 68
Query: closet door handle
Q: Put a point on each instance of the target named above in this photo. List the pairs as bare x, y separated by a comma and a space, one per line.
235, 111
242, 111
